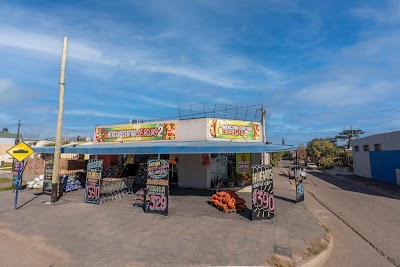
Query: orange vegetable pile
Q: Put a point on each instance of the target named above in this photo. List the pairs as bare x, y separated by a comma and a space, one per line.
228, 200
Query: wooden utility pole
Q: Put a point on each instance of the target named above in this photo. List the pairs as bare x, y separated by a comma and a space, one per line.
17, 138
13, 163
57, 149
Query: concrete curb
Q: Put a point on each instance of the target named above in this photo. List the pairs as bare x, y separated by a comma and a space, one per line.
372, 187
321, 258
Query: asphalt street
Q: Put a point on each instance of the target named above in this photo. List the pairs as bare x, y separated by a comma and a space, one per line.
364, 223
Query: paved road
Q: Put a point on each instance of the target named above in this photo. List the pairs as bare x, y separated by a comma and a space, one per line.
17, 251
364, 223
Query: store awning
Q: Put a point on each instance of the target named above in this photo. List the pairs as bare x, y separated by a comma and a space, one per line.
194, 147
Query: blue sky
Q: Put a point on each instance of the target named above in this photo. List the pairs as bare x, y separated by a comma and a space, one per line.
319, 66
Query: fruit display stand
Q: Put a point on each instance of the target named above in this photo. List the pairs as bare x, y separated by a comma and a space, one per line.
139, 198
114, 188
141, 174
112, 171
228, 201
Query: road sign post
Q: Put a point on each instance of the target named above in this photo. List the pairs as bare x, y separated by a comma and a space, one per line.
18, 184
19, 152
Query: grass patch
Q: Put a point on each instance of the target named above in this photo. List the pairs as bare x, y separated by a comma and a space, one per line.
5, 180
280, 261
6, 188
6, 168
317, 246
327, 230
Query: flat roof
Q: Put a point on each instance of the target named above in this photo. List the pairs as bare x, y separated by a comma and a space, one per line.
188, 147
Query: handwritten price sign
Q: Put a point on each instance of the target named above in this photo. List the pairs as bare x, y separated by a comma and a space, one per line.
263, 205
93, 181
157, 187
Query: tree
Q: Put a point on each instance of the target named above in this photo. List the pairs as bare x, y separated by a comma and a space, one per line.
301, 152
333, 140
320, 148
275, 158
347, 135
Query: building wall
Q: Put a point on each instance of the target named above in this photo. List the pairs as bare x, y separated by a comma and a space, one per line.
192, 130
256, 158
6, 144
361, 161
7, 141
34, 165
69, 164
378, 164
192, 174
384, 165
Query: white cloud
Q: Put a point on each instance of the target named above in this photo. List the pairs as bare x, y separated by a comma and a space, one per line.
218, 75
157, 102
390, 14
10, 93
342, 93
51, 45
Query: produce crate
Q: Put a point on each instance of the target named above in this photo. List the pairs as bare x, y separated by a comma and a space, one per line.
221, 209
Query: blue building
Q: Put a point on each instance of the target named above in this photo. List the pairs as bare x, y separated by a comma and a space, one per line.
378, 157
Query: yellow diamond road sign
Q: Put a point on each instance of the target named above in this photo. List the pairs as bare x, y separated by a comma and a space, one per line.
20, 151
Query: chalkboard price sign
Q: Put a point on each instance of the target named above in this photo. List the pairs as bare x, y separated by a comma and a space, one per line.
157, 187
93, 181
263, 205
48, 174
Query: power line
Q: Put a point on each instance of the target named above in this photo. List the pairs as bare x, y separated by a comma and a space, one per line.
389, 109
379, 123
9, 125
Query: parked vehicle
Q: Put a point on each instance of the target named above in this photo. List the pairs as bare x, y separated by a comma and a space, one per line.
300, 169
311, 165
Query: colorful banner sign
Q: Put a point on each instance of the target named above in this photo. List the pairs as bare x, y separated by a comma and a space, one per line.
136, 132
243, 165
262, 206
229, 129
157, 188
93, 181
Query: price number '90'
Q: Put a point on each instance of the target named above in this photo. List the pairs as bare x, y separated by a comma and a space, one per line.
92, 192
263, 200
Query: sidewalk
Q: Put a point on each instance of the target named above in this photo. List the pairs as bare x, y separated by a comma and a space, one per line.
194, 233
364, 181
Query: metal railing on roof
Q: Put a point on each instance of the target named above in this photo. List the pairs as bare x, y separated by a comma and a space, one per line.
232, 112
